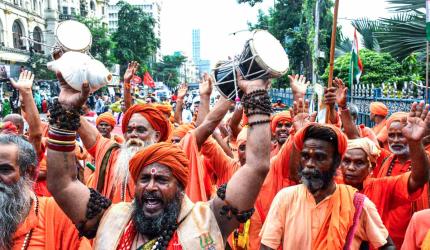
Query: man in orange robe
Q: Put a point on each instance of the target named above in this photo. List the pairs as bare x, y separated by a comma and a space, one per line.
417, 235
280, 125
105, 123
142, 125
26, 220
378, 114
320, 214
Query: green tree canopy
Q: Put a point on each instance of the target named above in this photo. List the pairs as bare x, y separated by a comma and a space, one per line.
135, 38
37, 64
167, 71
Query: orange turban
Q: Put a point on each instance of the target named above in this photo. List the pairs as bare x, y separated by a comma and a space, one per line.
182, 130
165, 108
342, 140
154, 116
280, 117
378, 108
396, 117
106, 117
163, 153
241, 137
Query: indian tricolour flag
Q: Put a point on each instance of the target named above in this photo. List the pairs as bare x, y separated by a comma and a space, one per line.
428, 19
356, 67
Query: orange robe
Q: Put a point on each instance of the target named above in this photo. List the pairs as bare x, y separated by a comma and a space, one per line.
52, 229
418, 228
381, 132
109, 190
199, 184
393, 201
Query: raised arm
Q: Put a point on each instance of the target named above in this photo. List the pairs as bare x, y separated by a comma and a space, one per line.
29, 109
211, 121
182, 91
298, 86
235, 120
132, 68
349, 127
244, 186
205, 90
218, 138
414, 131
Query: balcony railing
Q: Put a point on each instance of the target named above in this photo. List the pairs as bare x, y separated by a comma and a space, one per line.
14, 50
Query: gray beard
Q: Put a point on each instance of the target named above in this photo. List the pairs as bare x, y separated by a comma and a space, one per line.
404, 151
127, 151
15, 204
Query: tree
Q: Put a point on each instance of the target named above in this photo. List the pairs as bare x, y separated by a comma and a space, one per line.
378, 68
102, 43
167, 70
135, 38
250, 2
37, 64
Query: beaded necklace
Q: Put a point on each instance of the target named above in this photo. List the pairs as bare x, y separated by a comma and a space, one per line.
29, 234
390, 168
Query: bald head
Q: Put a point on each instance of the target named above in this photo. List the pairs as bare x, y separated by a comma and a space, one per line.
17, 120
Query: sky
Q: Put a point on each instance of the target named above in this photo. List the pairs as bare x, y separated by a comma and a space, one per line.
219, 19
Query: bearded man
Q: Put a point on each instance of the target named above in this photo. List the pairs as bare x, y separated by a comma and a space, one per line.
26, 220
105, 123
161, 215
319, 214
281, 125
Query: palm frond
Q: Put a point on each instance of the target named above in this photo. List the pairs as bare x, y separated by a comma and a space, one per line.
406, 6
367, 29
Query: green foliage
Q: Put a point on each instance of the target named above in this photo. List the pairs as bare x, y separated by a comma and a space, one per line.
135, 38
102, 42
37, 64
343, 43
167, 71
378, 68
250, 2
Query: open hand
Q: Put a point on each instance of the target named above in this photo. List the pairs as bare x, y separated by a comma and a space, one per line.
182, 91
70, 98
206, 83
25, 81
300, 114
341, 92
417, 122
132, 68
298, 85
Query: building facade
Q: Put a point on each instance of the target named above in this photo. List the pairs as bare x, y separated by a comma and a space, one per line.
36, 20
202, 64
152, 7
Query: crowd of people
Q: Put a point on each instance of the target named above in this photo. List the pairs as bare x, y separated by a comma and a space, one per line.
142, 175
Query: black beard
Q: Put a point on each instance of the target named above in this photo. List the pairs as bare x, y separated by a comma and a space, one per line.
153, 226
316, 180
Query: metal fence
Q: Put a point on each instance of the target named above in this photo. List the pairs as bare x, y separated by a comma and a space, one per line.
363, 95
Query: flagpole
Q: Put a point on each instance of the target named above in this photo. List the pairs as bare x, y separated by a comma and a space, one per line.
427, 72
332, 48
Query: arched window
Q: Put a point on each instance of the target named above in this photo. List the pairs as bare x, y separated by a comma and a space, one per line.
37, 36
17, 33
92, 6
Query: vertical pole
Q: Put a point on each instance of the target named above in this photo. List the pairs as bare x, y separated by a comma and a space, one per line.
427, 73
332, 48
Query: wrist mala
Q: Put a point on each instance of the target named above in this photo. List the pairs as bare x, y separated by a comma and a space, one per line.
229, 211
257, 102
96, 204
68, 119
251, 124
61, 140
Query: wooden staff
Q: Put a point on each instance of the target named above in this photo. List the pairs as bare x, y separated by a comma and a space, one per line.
427, 73
332, 48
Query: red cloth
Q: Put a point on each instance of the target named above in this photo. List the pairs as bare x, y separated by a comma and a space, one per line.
342, 141
280, 117
378, 108
154, 116
148, 81
163, 153
106, 117
8, 128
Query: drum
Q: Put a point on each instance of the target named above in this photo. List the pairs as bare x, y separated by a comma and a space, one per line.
71, 36
262, 58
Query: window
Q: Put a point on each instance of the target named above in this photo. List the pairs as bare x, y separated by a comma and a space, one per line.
65, 11
17, 34
37, 36
72, 10
34, 5
92, 6
103, 10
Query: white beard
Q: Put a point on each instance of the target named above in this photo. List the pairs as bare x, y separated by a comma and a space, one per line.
403, 151
128, 150
15, 203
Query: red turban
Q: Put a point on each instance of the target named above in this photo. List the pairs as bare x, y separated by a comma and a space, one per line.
165, 108
280, 117
396, 117
378, 108
163, 153
155, 117
182, 130
8, 128
106, 117
342, 140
